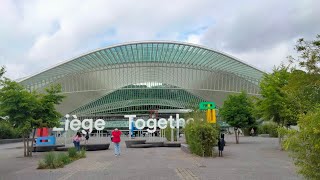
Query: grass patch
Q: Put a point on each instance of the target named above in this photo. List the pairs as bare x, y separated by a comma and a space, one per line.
53, 160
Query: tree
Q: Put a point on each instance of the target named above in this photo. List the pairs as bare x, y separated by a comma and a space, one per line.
29, 110
304, 90
19, 105
46, 114
237, 111
274, 104
2, 71
309, 55
304, 144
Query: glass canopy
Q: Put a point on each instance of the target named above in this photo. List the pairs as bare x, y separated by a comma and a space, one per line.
118, 79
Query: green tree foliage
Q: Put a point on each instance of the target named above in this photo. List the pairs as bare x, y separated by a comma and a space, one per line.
201, 137
168, 133
237, 112
7, 131
303, 91
274, 104
2, 71
293, 95
309, 55
304, 144
29, 110
269, 128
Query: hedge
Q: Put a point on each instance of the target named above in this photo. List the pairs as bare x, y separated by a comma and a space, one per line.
201, 137
54, 160
269, 128
168, 133
7, 131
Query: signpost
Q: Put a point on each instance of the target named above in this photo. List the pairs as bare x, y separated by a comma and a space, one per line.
211, 111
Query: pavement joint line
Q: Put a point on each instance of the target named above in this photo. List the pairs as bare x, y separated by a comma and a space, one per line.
196, 161
67, 176
186, 174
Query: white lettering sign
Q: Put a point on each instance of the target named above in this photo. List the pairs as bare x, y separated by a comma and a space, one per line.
99, 124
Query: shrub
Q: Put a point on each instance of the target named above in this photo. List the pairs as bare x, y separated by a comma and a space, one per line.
41, 165
168, 133
7, 131
72, 152
49, 160
304, 144
63, 157
82, 153
53, 160
201, 137
269, 128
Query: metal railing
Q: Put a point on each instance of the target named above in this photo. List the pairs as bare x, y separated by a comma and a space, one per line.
66, 138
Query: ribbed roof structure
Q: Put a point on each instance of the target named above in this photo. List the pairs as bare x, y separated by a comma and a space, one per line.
204, 72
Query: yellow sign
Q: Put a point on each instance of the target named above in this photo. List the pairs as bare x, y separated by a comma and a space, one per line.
211, 115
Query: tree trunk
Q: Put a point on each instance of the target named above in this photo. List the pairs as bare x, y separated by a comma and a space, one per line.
28, 148
280, 140
32, 141
24, 146
236, 135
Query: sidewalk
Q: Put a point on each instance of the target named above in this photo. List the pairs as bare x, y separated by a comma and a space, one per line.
254, 158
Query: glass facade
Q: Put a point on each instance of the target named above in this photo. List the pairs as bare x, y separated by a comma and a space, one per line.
142, 76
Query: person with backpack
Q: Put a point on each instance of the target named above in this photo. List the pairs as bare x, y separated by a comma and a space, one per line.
221, 144
115, 134
76, 141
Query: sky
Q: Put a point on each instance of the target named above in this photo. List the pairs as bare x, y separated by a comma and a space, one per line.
37, 34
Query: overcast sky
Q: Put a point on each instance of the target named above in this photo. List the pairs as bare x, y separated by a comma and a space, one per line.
37, 34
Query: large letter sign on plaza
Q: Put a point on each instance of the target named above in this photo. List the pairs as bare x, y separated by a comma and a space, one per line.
152, 123
86, 124
99, 124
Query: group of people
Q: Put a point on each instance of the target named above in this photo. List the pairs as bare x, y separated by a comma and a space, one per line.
115, 138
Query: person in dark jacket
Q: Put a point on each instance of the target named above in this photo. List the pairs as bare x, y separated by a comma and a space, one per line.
221, 144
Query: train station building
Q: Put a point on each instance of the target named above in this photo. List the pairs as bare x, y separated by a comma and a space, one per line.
143, 78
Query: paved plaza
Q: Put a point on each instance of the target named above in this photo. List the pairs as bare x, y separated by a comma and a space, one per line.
254, 158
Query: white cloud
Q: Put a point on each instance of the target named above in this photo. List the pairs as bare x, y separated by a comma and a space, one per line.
36, 34
195, 39
77, 26
15, 71
268, 58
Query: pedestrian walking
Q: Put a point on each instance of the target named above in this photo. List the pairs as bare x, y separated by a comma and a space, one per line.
76, 141
252, 132
116, 141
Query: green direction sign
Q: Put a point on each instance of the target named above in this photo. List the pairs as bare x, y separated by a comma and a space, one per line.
207, 105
